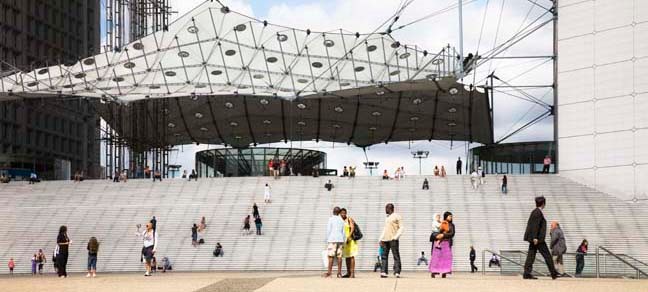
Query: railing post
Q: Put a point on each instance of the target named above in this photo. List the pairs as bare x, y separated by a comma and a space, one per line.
598, 275
483, 262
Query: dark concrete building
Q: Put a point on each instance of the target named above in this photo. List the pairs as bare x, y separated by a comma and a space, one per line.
34, 33
53, 136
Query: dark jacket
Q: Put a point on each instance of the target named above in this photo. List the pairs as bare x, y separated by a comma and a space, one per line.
536, 227
328, 186
450, 234
447, 236
473, 256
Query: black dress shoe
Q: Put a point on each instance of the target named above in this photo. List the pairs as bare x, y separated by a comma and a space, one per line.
554, 276
529, 277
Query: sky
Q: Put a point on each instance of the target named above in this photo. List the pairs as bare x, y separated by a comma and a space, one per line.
486, 23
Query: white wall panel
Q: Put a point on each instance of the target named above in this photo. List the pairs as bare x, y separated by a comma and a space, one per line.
614, 149
576, 152
641, 75
578, 119
641, 10
579, 18
616, 114
641, 173
613, 45
641, 147
612, 114
613, 80
576, 53
613, 13
641, 110
616, 180
584, 176
564, 3
576, 86
641, 39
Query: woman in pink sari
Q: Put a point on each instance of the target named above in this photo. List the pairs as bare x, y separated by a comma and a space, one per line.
441, 258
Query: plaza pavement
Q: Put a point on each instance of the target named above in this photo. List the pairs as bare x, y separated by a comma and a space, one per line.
309, 282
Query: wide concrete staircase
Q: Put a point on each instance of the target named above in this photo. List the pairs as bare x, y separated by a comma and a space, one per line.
295, 222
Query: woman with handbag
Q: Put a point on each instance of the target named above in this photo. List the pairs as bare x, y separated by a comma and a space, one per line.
350, 249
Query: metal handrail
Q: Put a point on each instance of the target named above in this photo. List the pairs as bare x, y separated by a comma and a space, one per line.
501, 258
598, 274
636, 260
537, 259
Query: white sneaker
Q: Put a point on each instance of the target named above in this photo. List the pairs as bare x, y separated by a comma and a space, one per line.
397, 275
94, 275
147, 274
88, 275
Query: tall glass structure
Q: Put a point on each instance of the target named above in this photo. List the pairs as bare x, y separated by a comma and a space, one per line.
254, 161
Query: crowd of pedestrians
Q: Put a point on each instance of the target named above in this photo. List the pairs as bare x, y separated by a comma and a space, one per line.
258, 223
278, 168
343, 234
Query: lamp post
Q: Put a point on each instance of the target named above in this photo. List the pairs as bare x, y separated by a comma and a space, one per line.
371, 165
420, 155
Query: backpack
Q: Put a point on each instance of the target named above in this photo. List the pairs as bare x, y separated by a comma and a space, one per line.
201, 241
357, 234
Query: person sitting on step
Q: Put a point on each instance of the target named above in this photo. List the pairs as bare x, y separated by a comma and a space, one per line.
218, 251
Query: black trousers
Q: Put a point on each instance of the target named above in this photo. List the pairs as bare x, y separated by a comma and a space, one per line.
544, 251
473, 268
61, 263
545, 168
459, 170
393, 246
580, 263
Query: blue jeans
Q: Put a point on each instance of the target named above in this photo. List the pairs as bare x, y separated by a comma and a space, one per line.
92, 262
504, 190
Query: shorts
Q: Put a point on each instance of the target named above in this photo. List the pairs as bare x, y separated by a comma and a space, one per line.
334, 249
148, 254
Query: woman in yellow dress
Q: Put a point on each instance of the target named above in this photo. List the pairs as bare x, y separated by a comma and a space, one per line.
350, 250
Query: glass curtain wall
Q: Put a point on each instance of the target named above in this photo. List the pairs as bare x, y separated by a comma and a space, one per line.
512, 158
254, 161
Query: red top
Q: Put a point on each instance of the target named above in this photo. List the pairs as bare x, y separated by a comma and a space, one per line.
547, 161
11, 264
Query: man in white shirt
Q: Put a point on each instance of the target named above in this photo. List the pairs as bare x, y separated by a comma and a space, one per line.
335, 239
389, 241
474, 176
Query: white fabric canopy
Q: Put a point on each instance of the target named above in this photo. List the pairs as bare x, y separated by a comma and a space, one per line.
214, 51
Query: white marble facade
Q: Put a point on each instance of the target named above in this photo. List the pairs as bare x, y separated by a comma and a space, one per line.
603, 94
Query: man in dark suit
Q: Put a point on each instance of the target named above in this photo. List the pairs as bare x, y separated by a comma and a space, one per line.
535, 234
